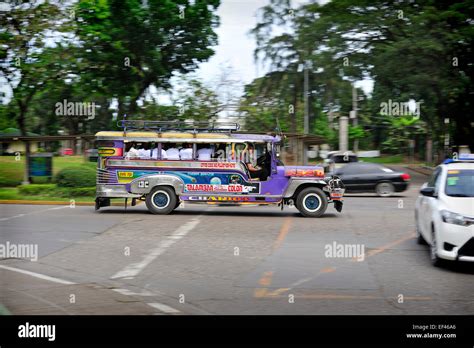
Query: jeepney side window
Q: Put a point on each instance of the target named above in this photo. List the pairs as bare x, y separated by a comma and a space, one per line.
277, 154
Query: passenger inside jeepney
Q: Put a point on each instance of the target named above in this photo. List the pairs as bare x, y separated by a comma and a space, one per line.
132, 151
186, 153
144, 151
154, 153
172, 153
204, 152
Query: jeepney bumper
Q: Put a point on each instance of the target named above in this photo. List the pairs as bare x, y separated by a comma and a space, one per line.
335, 189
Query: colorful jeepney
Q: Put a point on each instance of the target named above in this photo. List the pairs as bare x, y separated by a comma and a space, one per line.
225, 177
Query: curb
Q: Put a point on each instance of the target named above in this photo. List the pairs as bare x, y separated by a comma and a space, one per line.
19, 201
31, 202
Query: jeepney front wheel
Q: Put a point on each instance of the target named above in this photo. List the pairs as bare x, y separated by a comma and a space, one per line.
311, 202
161, 200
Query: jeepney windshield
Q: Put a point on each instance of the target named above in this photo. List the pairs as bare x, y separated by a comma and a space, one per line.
277, 149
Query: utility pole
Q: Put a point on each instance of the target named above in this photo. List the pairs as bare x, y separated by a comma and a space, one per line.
343, 125
446, 138
306, 104
354, 116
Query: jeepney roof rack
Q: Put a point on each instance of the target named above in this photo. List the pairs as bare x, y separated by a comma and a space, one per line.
189, 126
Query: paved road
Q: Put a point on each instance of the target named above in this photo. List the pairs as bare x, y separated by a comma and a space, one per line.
227, 260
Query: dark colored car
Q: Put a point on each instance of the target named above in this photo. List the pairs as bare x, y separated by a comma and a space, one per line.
371, 177
337, 159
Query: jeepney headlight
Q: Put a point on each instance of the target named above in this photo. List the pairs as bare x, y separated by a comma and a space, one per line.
456, 219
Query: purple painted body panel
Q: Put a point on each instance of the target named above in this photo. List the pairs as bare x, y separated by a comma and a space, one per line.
276, 183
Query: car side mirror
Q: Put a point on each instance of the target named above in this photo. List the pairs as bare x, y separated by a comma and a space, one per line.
428, 191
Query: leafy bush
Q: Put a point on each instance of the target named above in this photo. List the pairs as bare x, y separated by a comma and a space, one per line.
75, 192
36, 189
51, 190
6, 181
76, 177
82, 191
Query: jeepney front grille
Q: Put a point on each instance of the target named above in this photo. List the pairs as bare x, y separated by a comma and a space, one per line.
105, 176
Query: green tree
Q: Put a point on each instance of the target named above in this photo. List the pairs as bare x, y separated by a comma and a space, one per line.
130, 45
27, 64
412, 50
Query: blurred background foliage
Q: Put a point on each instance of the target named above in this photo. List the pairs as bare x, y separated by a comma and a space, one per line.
113, 53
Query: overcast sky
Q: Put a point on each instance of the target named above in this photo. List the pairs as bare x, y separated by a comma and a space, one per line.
236, 46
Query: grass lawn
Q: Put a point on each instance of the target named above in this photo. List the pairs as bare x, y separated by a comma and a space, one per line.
384, 159
12, 193
11, 171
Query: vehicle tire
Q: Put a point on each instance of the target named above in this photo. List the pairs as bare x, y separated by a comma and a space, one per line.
311, 202
384, 189
435, 259
161, 200
419, 237
178, 202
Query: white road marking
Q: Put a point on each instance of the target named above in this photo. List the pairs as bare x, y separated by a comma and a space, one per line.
12, 217
164, 308
131, 293
33, 212
134, 269
38, 275
57, 208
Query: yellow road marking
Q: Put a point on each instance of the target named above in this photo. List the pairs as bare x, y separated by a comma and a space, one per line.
275, 294
266, 279
260, 293
267, 276
327, 270
389, 245
285, 228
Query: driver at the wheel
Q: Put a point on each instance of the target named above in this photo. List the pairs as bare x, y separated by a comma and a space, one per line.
255, 171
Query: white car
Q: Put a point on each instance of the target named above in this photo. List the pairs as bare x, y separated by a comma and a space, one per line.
444, 212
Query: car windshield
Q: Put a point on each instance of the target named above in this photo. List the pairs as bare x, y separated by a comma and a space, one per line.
460, 183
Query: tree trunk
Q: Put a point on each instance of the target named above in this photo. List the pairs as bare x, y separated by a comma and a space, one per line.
22, 124
293, 116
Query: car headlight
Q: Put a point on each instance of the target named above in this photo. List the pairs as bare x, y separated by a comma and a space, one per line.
456, 219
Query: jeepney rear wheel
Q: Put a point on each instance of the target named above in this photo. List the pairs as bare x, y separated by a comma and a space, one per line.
161, 200
311, 202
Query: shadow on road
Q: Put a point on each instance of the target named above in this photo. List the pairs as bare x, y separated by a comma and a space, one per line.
368, 195
222, 212
459, 267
